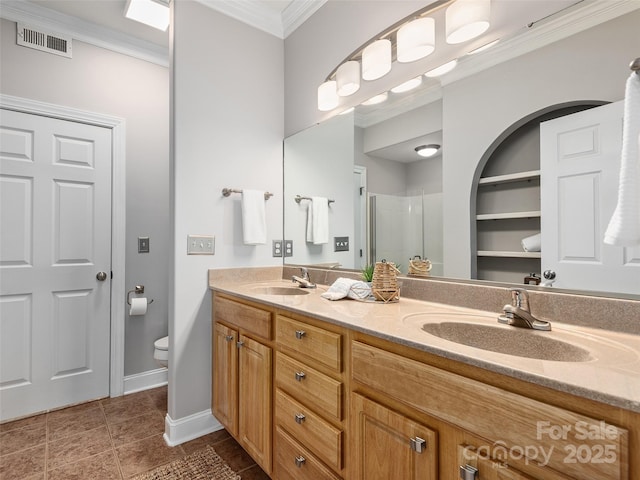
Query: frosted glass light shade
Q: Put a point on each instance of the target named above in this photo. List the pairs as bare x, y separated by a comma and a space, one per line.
416, 39
376, 60
442, 69
466, 19
408, 85
348, 78
327, 96
381, 97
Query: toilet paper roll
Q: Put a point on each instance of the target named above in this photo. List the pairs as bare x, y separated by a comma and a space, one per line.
532, 243
138, 306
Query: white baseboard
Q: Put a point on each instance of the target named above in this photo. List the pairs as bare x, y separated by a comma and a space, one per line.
188, 428
145, 380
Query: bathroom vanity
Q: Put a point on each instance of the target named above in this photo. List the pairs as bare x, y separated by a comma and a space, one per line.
314, 389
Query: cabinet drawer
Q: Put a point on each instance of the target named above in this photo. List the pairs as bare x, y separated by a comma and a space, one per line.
309, 429
317, 343
295, 462
486, 468
496, 414
309, 386
249, 318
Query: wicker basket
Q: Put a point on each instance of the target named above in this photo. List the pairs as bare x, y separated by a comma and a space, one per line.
419, 266
385, 282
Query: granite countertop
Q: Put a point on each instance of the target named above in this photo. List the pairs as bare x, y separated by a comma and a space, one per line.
608, 371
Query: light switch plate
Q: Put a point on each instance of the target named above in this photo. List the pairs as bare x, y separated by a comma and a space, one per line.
143, 244
340, 244
201, 245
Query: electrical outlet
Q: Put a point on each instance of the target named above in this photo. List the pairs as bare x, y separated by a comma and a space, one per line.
277, 248
288, 248
201, 245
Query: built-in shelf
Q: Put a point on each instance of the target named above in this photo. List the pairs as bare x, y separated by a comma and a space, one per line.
505, 254
511, 177
508, 215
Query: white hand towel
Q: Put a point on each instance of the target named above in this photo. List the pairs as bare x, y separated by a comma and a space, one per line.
254, 225
347, 287
318, 221
624, 226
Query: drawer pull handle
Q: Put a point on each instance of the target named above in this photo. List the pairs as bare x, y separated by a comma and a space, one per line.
467, 472
300, 334
300, 461
228, 338
300, 417
239, 344
300, 376
418, 444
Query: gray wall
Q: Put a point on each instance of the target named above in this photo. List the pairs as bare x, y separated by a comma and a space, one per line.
228, 97
101, 81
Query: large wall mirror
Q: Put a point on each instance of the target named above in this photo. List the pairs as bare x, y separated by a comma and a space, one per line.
385, 201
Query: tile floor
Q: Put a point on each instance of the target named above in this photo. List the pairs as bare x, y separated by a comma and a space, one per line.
111, 439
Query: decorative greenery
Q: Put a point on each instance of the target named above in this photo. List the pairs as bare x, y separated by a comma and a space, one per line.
367, 273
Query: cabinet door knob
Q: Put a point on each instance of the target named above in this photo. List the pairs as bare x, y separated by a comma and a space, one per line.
300, 417
228, 338
300, 376
300, 334
418, 444
300, 461
239, 344
467, 472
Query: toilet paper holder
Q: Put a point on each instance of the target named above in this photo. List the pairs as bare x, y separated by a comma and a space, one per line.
138, 291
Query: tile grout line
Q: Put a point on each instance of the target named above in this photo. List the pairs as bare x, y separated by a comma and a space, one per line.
114, 451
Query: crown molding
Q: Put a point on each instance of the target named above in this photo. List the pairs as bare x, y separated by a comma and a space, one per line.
263, 18
81, 30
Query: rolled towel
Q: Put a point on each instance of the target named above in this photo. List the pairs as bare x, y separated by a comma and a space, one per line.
347, 287
624, 226
532, 243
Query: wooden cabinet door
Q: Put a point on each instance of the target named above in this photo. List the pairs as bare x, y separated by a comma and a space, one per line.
388, 445
486, 468
224, 395
254, 405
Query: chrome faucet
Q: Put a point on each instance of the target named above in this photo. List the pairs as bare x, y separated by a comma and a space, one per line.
303, 281
518, 313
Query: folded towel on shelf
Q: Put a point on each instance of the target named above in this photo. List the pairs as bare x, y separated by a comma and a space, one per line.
532, 243
254, 225
624, 226
318, 221
347, 287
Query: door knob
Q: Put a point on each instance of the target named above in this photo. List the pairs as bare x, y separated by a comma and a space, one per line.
102, 276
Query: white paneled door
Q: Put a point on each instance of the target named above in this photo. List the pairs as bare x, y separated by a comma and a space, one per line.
580, 163
55, 256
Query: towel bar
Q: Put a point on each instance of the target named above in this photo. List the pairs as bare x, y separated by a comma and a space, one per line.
228, 191
299, 198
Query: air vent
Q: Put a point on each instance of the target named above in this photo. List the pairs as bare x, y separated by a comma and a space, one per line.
34, 37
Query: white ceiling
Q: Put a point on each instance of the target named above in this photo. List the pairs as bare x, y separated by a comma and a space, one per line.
278, 17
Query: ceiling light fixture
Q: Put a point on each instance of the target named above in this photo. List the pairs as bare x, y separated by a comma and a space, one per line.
408, 85
442, 69
427, 150
467, 19
414, 39
376, 60
154, 13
